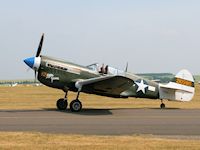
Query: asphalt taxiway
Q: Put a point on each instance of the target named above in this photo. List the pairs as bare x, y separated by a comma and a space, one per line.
104, 121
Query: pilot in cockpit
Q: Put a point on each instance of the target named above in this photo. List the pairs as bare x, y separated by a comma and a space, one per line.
103, 70
106, 69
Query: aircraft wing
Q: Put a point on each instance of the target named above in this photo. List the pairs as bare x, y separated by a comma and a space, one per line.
105, 85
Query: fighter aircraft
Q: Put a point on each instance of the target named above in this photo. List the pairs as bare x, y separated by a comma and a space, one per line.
105, 81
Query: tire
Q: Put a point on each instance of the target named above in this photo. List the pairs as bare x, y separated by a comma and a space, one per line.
62, 104
75, 106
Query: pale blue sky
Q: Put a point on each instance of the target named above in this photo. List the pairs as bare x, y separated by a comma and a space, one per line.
152, 35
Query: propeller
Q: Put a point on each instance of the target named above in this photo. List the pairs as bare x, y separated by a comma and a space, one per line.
34, 62
40, 46
27, 70
35, 76
38, 52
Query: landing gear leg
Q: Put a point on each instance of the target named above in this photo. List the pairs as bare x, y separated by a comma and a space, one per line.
75, 105
162, 105
62, 103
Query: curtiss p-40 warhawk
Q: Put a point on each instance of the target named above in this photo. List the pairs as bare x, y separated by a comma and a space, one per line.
105, 81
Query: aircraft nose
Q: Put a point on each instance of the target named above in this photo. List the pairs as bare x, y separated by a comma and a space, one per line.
33, 62
30, 61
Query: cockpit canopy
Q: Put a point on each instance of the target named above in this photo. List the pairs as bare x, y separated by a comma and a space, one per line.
105, 69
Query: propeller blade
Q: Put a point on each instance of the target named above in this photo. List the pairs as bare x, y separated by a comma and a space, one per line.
40, 46
35, 75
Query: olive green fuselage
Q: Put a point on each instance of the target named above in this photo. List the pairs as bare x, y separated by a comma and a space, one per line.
63, 75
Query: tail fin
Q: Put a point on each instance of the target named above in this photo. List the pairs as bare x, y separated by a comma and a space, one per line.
180, 89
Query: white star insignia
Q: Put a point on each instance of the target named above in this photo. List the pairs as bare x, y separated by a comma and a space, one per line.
141, 86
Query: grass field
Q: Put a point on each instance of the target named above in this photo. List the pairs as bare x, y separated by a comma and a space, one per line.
32, 141
22, 97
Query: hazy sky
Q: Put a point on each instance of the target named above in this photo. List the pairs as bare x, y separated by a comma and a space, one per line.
152, 35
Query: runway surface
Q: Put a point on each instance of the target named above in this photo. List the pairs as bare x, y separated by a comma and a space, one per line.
104, 121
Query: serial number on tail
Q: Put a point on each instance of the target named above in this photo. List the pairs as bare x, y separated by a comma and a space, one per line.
184, 82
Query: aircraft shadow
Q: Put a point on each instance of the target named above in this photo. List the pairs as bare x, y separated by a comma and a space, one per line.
84, 111
87, 111
170, 108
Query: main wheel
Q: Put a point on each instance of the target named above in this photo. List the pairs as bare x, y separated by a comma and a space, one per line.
162, 106
75, 106
62, 104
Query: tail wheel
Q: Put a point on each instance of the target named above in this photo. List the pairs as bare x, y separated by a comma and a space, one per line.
75, 106
162, 106
62, 104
